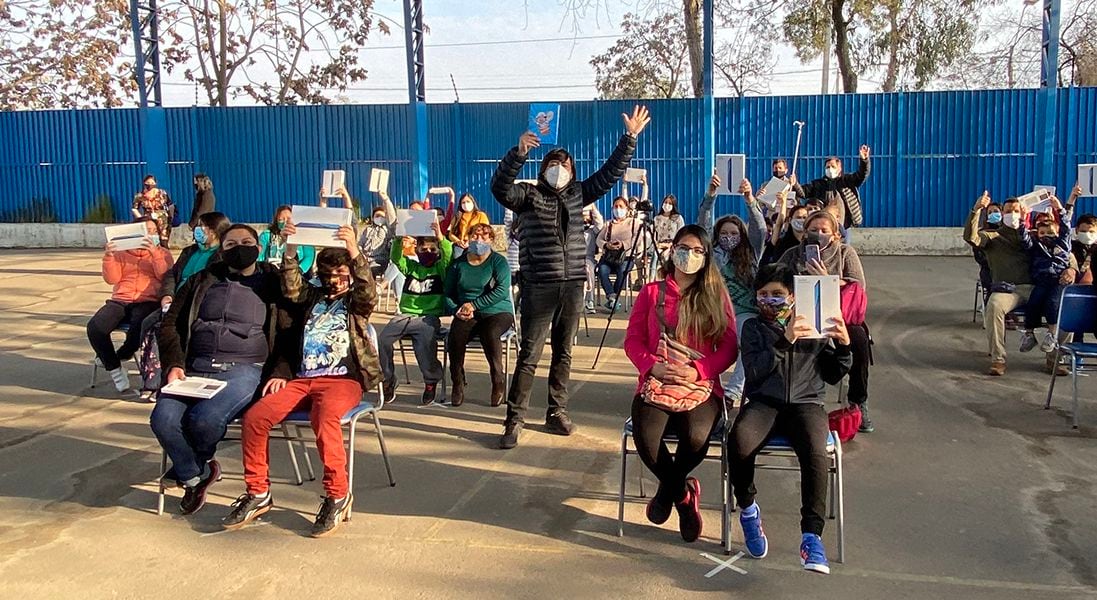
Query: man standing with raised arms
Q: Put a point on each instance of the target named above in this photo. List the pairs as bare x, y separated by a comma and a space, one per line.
553, 252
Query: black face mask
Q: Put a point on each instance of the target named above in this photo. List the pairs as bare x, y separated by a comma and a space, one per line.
240, 257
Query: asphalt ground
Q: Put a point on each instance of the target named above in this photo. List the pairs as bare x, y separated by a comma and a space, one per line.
968, 488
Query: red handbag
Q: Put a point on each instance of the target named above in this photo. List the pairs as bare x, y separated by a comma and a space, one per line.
854, 303
846, 421
677, 397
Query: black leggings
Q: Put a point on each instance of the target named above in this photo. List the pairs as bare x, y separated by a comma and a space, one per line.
488, 329
110, 317
805, 426
693, 430
861, 348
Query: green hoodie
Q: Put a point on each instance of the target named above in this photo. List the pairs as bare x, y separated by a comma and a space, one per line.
424, 289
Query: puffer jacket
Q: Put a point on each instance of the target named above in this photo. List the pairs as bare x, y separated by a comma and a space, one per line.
553, 245
360, 303
779, 373
842, 192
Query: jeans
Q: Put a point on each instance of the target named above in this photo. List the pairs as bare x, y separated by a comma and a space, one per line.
805, 426
1043, 302
423, 331
620, 273
189, 428
547, 308
327, 399
488, 329
110, 317
738, 377
994, 319
692, 428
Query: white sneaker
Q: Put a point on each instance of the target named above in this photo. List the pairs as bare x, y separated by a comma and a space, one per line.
121, 379
1048, 345
1028, 341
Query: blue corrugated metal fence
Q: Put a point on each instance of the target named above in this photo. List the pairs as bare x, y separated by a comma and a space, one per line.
933, 152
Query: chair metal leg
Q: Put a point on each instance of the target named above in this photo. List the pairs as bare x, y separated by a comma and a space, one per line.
640, 473
506, 365
831, 476
725, 484
841, 504
292, 454
94, 372
1074, 360
160, 482
1051, 387
621, 492
445, 369
404, 359
975, 306
305, 452
384, 450
350, 468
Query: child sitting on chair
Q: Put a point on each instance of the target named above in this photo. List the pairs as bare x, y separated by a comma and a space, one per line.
784, 392
1052, 267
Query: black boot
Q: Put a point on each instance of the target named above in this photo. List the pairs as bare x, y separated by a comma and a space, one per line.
457, 396
498, 392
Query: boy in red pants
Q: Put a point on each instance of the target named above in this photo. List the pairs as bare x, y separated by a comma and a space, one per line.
327, 371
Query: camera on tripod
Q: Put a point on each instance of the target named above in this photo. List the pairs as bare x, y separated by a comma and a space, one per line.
645, 206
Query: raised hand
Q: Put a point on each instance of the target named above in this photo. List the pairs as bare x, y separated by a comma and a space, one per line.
745, 188
346, 235
713, 184
528, 141
797, 328
983, 202
837, 331
638, 121
865, 151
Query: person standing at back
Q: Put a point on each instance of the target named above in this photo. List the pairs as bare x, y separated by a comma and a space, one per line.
841, 191
554, 247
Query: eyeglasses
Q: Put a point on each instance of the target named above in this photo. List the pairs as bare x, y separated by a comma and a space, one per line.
696, 250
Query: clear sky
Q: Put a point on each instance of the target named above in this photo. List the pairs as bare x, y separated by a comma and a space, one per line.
496, 50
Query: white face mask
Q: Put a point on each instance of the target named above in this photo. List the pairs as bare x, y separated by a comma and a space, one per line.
667, 207
1087, 237
380, 221
620, 213
687, 262
557, 176
798, 225
832, 172
466, 206
1011, 220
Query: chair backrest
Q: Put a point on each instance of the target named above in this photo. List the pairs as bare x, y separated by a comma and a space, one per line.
371, 333
1078, 309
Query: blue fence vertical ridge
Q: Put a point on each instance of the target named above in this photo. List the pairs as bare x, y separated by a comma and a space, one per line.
933, 152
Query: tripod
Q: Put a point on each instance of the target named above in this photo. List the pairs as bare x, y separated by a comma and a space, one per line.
646, 230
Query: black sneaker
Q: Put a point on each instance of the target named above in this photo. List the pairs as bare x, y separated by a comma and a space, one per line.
430, 390
559, 423
331, 513
194, 498
510, 436
867, 426
388, 389
246, 509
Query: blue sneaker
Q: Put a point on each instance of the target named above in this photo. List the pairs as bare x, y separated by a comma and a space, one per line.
813, 556
750, 519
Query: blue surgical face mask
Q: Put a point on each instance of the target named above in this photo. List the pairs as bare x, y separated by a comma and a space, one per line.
479, 247
200, 236
994, 218
620, 213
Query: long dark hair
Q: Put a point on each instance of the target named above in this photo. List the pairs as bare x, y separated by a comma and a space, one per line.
743, 258
673, 202
273, 227
702, 308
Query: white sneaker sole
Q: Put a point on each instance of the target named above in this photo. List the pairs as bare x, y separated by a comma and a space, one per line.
815, 568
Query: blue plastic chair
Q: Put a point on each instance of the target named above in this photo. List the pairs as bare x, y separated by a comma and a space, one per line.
1077, 315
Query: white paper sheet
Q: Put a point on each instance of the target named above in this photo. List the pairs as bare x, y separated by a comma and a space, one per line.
768, 193
1087, 179
318, 226
732, 169
635, 175
415, 223
130, 236
1037, 200
332, 181
818, 300
378, 180
194, 387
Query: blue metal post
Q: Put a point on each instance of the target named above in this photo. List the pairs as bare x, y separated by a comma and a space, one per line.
1049, 93
458, 150
709, 103
152, 122
417, 95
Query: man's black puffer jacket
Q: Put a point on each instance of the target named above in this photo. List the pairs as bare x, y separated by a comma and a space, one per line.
553, 246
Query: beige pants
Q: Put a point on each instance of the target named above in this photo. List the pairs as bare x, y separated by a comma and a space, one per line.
994, 318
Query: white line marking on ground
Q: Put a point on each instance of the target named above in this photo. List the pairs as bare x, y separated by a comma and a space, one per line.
724, 564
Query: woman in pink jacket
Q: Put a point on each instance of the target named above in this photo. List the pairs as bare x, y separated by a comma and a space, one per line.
136, 276
691, 306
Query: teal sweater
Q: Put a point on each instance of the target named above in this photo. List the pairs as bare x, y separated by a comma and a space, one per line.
272, 252
423, 287
486, 285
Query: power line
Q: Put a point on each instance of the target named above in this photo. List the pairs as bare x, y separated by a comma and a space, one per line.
487, 43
